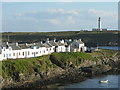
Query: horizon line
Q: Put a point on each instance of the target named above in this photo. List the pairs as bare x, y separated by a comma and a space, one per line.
55, 31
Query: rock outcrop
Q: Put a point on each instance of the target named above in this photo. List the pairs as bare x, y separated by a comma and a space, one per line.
69, 71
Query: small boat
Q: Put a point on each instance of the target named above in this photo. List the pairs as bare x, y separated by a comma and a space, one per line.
103, 81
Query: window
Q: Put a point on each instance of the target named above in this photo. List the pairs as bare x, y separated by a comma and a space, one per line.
44, 51
13, 54
36, 52
4, 55
40, 51
23, 53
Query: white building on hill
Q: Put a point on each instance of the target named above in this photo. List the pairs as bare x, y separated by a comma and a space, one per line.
15, 50
78, 45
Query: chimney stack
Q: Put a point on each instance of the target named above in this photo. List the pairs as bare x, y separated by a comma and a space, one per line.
7, 43
26, 44
80, 39
16, 43
54, 39
48, 40
41, 42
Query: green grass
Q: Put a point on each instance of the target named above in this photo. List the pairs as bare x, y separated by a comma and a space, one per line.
12, 68
65, 59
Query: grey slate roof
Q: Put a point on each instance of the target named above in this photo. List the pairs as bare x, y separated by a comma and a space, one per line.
52, 43
79, 42
42, 45
60, 44
14, 47
23, 46
46, 45
3, 44
39, 45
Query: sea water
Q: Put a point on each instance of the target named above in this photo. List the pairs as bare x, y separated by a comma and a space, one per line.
113, 82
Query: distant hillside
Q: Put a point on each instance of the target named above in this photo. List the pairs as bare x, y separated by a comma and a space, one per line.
89, 37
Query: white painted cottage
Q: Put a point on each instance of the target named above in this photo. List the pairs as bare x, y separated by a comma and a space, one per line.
15, 50
57, 46
78, 45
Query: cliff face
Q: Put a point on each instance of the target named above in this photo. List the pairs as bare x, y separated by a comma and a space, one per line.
58, 67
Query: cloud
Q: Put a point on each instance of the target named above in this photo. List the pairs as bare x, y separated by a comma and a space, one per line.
53, 11
102, 13
75, 12
62, 11
51, 16
54, 19
70, 20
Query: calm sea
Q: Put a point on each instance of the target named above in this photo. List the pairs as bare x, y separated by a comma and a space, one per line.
109, 47
94, 82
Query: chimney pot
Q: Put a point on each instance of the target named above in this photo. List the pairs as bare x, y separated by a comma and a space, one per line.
7, 43
16, 43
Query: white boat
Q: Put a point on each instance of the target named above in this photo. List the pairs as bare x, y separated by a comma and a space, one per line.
103, 81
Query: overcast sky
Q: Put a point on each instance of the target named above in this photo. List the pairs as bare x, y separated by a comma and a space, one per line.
51, 16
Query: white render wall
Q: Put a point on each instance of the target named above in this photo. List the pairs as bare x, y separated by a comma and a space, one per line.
68, 49
60, 49
81, 46
25, 53
34, 51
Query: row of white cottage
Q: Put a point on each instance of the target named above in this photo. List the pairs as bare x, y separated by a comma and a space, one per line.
15, 50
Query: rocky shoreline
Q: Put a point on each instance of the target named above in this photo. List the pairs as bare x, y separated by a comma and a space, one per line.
71, 76
65, 75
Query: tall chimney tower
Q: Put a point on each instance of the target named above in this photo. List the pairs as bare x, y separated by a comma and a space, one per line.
99, 24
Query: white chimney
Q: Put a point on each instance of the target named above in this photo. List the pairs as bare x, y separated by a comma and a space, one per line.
62, 41
7, 43
16, 43
26, 44
41, 42
47, 39
80, 39
70, 39
54, 39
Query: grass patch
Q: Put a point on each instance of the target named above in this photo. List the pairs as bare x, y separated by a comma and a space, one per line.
27, 66
66, 59
12, 68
